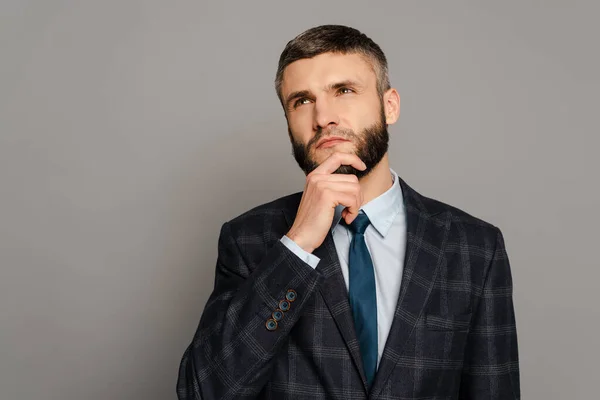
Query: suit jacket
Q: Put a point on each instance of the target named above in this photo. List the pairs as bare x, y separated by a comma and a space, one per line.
453, 335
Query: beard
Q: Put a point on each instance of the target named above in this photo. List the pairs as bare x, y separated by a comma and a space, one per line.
371, 146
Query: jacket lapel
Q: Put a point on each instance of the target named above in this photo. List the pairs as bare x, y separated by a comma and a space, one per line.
334, 292
426, 236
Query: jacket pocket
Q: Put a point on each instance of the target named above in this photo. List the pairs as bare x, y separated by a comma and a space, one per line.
447, 322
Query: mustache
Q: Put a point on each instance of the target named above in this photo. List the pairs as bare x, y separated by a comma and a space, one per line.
347, 134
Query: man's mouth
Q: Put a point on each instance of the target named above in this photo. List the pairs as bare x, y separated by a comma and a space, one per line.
329, 142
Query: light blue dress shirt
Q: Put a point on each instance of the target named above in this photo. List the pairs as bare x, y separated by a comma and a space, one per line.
386, 241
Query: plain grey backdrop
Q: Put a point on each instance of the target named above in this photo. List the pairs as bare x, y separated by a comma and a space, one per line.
131, 130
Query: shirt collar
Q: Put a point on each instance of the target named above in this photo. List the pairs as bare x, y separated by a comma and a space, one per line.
382, 210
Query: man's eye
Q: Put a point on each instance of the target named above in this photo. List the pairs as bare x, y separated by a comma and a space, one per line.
346, 90
300, 102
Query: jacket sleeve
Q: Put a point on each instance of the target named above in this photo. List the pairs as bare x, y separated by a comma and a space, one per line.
491, 365
232, 351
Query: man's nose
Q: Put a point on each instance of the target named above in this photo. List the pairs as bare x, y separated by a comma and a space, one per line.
326, 115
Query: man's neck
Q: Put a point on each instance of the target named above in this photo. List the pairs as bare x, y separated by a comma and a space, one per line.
377, 182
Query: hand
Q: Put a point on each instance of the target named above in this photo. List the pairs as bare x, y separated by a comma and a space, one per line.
322, 193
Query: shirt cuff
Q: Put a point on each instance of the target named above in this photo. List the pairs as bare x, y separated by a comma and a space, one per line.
304, 255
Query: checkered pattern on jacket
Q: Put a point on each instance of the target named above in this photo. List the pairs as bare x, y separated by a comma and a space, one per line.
453, 334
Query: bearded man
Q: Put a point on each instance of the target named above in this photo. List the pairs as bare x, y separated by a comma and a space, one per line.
358, 287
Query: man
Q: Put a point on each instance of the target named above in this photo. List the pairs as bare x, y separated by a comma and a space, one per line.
357, 287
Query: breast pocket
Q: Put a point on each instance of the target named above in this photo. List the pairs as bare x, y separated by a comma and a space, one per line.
440, 340
448, 322
437, 352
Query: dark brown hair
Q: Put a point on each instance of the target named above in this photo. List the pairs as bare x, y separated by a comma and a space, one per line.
335, 39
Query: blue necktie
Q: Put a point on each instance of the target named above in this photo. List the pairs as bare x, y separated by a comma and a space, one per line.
362, 295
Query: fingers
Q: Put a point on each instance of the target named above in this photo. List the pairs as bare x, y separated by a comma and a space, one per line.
352, 206
341, 189
347, 194
349, 214
316, 179
334, 161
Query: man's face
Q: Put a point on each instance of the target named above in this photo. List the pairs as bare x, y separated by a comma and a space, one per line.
334, 95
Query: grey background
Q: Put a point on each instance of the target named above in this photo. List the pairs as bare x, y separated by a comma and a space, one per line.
131, 130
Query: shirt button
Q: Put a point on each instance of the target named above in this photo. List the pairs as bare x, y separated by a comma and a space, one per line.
271, 324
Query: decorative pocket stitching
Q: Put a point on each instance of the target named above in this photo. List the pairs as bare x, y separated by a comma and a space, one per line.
437, 322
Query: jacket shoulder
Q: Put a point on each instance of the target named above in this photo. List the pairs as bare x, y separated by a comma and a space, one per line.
265, 221
458, 216
273, 207
481, 237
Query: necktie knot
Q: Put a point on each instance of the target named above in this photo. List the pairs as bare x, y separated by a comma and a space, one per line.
360, 223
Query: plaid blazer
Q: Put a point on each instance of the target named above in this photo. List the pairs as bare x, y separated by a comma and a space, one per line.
453, 335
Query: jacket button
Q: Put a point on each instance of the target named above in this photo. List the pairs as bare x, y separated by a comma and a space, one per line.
284, 305
291, 295
277, 315
271, 324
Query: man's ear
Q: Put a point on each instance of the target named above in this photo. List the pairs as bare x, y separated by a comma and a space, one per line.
391, 106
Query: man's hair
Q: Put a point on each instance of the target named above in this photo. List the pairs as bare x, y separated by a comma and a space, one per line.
334, 39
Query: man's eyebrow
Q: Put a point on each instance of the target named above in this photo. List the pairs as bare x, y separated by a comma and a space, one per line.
344, 83
333, 86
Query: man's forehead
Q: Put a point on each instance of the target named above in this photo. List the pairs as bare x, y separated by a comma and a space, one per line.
325, 69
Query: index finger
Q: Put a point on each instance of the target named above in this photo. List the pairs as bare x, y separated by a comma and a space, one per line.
337, 159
